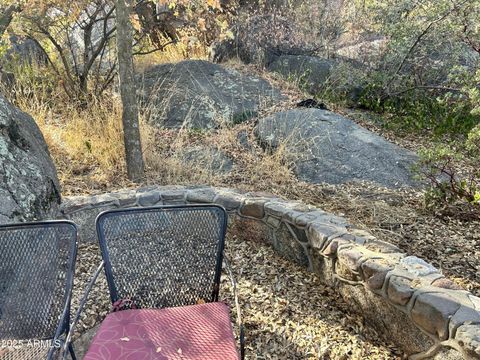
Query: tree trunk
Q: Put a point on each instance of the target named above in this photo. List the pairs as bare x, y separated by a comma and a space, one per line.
133, 146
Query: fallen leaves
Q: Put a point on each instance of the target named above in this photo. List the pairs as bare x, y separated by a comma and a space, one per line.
289, 314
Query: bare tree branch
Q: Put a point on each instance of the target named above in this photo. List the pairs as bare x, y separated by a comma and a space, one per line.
154, 50
419, 39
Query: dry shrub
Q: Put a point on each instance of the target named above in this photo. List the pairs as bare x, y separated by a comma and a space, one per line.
188, 48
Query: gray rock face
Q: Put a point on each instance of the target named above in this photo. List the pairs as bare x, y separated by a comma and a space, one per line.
29, 186
311, 72
330, 148
366, 49
211, 159
201, 95
25, 50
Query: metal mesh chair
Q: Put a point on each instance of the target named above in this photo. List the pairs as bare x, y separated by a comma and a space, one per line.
37, 262
163, 257
164, 263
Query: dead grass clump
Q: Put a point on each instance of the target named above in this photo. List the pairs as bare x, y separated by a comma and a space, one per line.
164, 153
86, 144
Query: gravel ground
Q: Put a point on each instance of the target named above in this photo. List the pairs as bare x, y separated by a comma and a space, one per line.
287, 312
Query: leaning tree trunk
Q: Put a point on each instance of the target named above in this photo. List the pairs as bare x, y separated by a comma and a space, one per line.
133, 146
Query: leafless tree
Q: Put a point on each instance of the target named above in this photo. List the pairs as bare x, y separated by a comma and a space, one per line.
83, 46
131, 130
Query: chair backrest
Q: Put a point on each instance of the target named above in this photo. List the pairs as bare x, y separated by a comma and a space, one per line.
37, 262
164, 256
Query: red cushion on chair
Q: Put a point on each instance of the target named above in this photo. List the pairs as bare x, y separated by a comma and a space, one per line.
189, 332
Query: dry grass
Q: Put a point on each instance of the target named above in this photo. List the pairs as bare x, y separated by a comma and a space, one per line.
164, 149
86, 145
185, 49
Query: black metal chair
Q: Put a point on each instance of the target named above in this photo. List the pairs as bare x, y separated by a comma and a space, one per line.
163, 257
163, 267
37, 262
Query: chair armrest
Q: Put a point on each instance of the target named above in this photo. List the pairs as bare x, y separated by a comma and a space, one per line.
83, 301
237, 306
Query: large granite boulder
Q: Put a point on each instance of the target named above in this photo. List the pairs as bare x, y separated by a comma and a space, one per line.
29, 186
311, 72
329, 148
367, 49
202, 95
314, 74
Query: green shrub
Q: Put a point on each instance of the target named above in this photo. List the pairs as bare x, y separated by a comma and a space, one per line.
448, 185
436, 111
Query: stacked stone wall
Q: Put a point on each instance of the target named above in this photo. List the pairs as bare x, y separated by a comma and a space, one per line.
407, 300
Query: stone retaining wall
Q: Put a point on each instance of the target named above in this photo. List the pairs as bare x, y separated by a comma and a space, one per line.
407, 300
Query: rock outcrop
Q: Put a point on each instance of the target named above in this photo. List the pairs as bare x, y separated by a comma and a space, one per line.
310, 72
202, 95
29, 188
329, 148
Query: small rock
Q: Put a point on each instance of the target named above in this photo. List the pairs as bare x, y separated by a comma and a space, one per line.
201, 195
211, 159
254, 208
375, 271
318, 233
399, 290
417, 266
469, 336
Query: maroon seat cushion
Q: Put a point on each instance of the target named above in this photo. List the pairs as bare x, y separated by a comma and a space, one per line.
189, 332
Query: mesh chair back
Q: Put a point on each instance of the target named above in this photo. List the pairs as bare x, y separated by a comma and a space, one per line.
164, 256
36, 277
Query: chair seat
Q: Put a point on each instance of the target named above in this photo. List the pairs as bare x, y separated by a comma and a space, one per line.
189, 332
